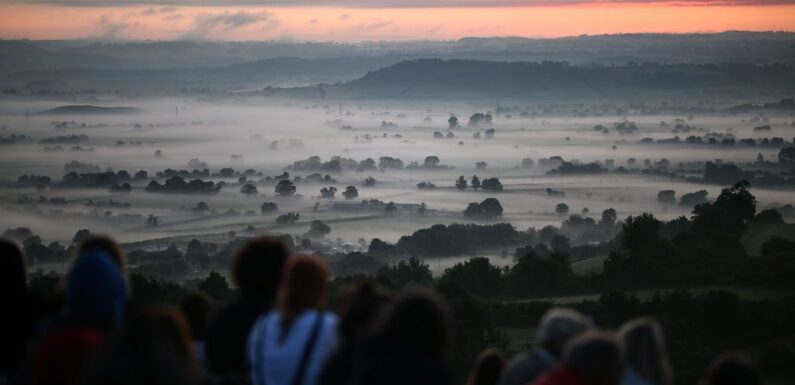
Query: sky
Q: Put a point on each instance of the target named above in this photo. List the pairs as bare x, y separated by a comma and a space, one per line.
363, 20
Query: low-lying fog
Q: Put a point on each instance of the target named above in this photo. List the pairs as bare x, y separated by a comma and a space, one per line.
269, 135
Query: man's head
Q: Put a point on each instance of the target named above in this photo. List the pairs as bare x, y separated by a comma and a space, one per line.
559, 326
257, 267
595, 357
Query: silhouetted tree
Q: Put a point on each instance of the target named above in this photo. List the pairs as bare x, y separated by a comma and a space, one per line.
350, 192
285, 188
461, 183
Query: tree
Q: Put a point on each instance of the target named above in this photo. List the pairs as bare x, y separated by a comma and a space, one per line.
666, 197
249, 189
475, 182
769, 217
461, 183
609, 217
369, 181
405, 273
268, 207
738, 200
489, 208
80, 235
562, 209
288, 218
152, 220
431, 161
477, 275
390, 208
318, 229
639, 233
350, 192
787, 155
453, 122
422, 209
215, 286
491, 184
328, 192
285, 188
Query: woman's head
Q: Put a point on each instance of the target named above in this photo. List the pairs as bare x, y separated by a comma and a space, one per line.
643, 350
13, 274
732, 368
488, 368
304, 287
257, 267
105, 245
366, 302
420, 321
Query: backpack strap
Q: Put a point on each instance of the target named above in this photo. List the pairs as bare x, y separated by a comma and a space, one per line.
309, 347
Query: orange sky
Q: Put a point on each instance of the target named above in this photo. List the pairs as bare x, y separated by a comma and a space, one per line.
243, 22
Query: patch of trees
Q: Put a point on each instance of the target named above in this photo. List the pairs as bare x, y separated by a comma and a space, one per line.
714, 139
426, 186
248, 189
387, 162
168, 173
268, 207
724, 173
34, 180
177, 184
490, 208
369, 181
569, 168
350, 193
285, 188
479, 119
459, 239
490, 184
98, 179
328, 192
65, 139
288, 218
318, 229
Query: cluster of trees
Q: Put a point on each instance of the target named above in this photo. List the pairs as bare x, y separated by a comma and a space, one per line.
177, 184
569, 168
488, 184
488, 209
449, 240
94, 179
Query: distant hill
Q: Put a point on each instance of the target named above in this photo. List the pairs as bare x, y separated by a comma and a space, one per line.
437, 78
89, 110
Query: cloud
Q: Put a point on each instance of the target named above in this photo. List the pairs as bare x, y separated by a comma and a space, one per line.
391, 3
110, 29
206, 23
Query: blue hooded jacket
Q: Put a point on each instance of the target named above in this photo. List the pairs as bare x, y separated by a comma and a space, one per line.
96, 291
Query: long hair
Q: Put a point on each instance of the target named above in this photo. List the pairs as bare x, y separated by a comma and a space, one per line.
420, 321
304, 287
488, 367
643, 350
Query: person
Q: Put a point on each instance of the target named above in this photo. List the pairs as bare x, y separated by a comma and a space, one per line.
643, 353
411, 347
107, 245
256, 271
94, 305
732, 368
367, 301
152, 349
17, 327
197, 309
488, 368
593, 358
557, 327
289, 345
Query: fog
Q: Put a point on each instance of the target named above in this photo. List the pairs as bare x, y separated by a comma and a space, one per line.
269, 135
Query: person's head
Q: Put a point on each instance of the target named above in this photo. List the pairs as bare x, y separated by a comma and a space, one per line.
95, 291
488, 368
13, 274
153, 348
304, 287
420, 322
257, 267
366, 301
196, 308
105, 245
595, 357
643, 350
732, 368
558, 326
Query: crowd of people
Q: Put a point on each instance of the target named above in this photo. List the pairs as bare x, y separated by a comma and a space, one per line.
278, 330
